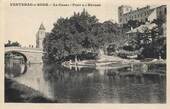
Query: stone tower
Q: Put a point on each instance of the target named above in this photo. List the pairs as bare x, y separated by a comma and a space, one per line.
40, 36
122, 10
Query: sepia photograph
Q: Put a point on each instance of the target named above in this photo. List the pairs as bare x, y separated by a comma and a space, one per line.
85, 52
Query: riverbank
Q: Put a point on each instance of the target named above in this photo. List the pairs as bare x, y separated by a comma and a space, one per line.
105, 60
16, 92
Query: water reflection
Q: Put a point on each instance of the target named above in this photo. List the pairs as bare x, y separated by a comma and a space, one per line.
15, 70
91, 85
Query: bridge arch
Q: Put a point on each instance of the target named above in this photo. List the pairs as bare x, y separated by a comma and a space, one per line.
31, 55
17, 52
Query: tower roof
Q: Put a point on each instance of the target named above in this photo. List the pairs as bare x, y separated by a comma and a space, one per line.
41, 27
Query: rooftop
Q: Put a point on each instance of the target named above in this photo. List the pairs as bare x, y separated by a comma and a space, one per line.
42, 27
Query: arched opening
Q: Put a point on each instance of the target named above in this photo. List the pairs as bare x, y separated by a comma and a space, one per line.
15, 64
17, 56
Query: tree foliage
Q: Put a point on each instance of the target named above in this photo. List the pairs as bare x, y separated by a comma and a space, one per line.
9, 44
152, 42
132, 24
79, 33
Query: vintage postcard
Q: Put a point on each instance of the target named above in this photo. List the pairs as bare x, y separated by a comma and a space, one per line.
84, 52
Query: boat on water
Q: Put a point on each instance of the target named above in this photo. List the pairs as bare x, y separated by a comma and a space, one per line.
101, 61
95, 64
107, 63
91, 63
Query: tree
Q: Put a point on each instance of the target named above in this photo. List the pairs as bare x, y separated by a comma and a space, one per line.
132, 24
79, 33
154, 45
9, 44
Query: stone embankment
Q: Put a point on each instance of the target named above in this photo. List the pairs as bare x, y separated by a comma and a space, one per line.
16, 92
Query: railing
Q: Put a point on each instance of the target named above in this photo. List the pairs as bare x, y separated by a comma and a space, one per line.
23, 48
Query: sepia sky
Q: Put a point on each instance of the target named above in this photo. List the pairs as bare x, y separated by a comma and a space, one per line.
22, 23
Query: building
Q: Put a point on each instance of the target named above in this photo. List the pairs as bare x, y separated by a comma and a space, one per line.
40, 36
147, 13
141, 29
123, 9
158, 12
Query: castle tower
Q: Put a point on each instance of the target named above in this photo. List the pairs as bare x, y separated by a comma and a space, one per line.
40, 36
122, 10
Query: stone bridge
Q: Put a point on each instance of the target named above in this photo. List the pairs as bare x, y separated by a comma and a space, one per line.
31, 55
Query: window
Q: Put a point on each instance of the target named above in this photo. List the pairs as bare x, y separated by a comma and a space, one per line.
120, 19
127, 9
165, 10
146, 19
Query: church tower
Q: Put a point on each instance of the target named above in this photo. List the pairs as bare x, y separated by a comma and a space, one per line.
40, 36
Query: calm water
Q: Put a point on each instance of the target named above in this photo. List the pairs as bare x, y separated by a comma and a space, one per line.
91, 85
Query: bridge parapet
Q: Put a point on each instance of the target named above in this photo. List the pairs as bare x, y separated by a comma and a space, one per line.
33, 55
26, 49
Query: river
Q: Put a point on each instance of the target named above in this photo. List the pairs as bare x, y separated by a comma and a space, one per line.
92, 85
